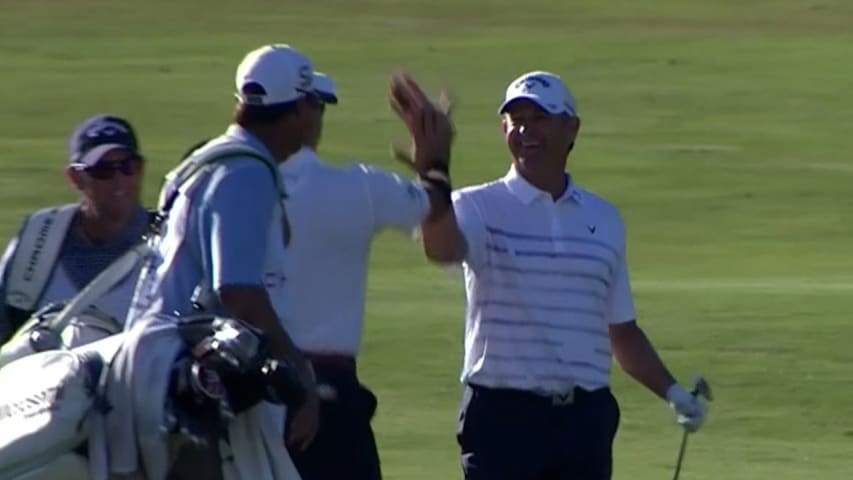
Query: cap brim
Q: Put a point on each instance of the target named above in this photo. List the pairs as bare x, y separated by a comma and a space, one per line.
93, 156
533, 98
325, 88
329, 98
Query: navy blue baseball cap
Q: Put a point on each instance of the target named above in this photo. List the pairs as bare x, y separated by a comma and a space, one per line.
96, 136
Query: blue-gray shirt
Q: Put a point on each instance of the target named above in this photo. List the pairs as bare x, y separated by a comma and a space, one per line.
80, 259
216, 235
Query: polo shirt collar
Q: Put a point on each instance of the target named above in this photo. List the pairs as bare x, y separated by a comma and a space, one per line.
303, 158
527, 193
241, 134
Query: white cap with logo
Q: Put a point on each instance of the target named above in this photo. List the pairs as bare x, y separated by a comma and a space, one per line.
274, 74
544, 89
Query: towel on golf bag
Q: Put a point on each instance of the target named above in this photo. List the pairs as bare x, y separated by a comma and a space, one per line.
257, 446
131, 438
128, 439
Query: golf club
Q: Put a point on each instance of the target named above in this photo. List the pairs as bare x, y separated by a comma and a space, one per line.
700, 389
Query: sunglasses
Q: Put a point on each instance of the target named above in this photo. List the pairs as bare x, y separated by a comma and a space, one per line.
108, 170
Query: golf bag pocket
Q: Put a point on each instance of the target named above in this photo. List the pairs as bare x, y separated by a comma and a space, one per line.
41, 333
45, 402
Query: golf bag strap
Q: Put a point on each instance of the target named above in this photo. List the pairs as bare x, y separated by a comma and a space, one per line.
100, 285
200, 158
206, 157
35, 256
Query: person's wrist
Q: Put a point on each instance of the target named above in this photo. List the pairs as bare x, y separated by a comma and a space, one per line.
676, 394
440, 164
436, 178
437, 185
307, 375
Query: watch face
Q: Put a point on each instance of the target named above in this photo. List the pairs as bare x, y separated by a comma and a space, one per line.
208, 381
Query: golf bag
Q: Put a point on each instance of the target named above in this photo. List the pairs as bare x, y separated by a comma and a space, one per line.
49, 373
46, 400
77, 322
223, 369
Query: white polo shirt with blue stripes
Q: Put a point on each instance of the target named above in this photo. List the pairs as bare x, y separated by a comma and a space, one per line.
543, 281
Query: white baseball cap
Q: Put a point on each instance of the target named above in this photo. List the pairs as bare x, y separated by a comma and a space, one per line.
274, 74
325, 87
543, 88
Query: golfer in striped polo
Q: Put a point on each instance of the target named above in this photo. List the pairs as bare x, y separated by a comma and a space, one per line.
549, 304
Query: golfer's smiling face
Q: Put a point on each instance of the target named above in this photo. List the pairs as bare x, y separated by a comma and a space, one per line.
536, 137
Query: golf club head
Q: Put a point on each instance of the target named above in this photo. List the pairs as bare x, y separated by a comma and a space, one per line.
701, 388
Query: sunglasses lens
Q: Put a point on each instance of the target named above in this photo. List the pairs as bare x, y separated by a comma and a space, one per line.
106, 171
101, 173
127, 167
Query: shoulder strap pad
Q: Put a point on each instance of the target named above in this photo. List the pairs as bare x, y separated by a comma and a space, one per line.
199, 159
36, 254
205, 157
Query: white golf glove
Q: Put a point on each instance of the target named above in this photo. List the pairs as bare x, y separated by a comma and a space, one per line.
689, 410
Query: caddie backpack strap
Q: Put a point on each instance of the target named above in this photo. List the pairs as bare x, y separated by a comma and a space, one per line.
200, 160
34, 260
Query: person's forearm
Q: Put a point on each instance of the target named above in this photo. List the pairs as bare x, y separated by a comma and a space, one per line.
638, 358
442, 240
252, 305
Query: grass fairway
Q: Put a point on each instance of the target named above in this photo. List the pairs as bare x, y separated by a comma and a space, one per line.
722, 128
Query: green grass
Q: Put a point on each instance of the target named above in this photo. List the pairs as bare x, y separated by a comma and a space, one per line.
721, 128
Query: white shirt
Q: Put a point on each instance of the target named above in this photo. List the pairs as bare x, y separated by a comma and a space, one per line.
543, 279
334, 214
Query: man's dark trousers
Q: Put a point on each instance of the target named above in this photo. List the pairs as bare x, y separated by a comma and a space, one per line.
519, 435
344, 447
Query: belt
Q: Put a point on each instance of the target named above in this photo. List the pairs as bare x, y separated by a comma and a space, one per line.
554, 399
328, 368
